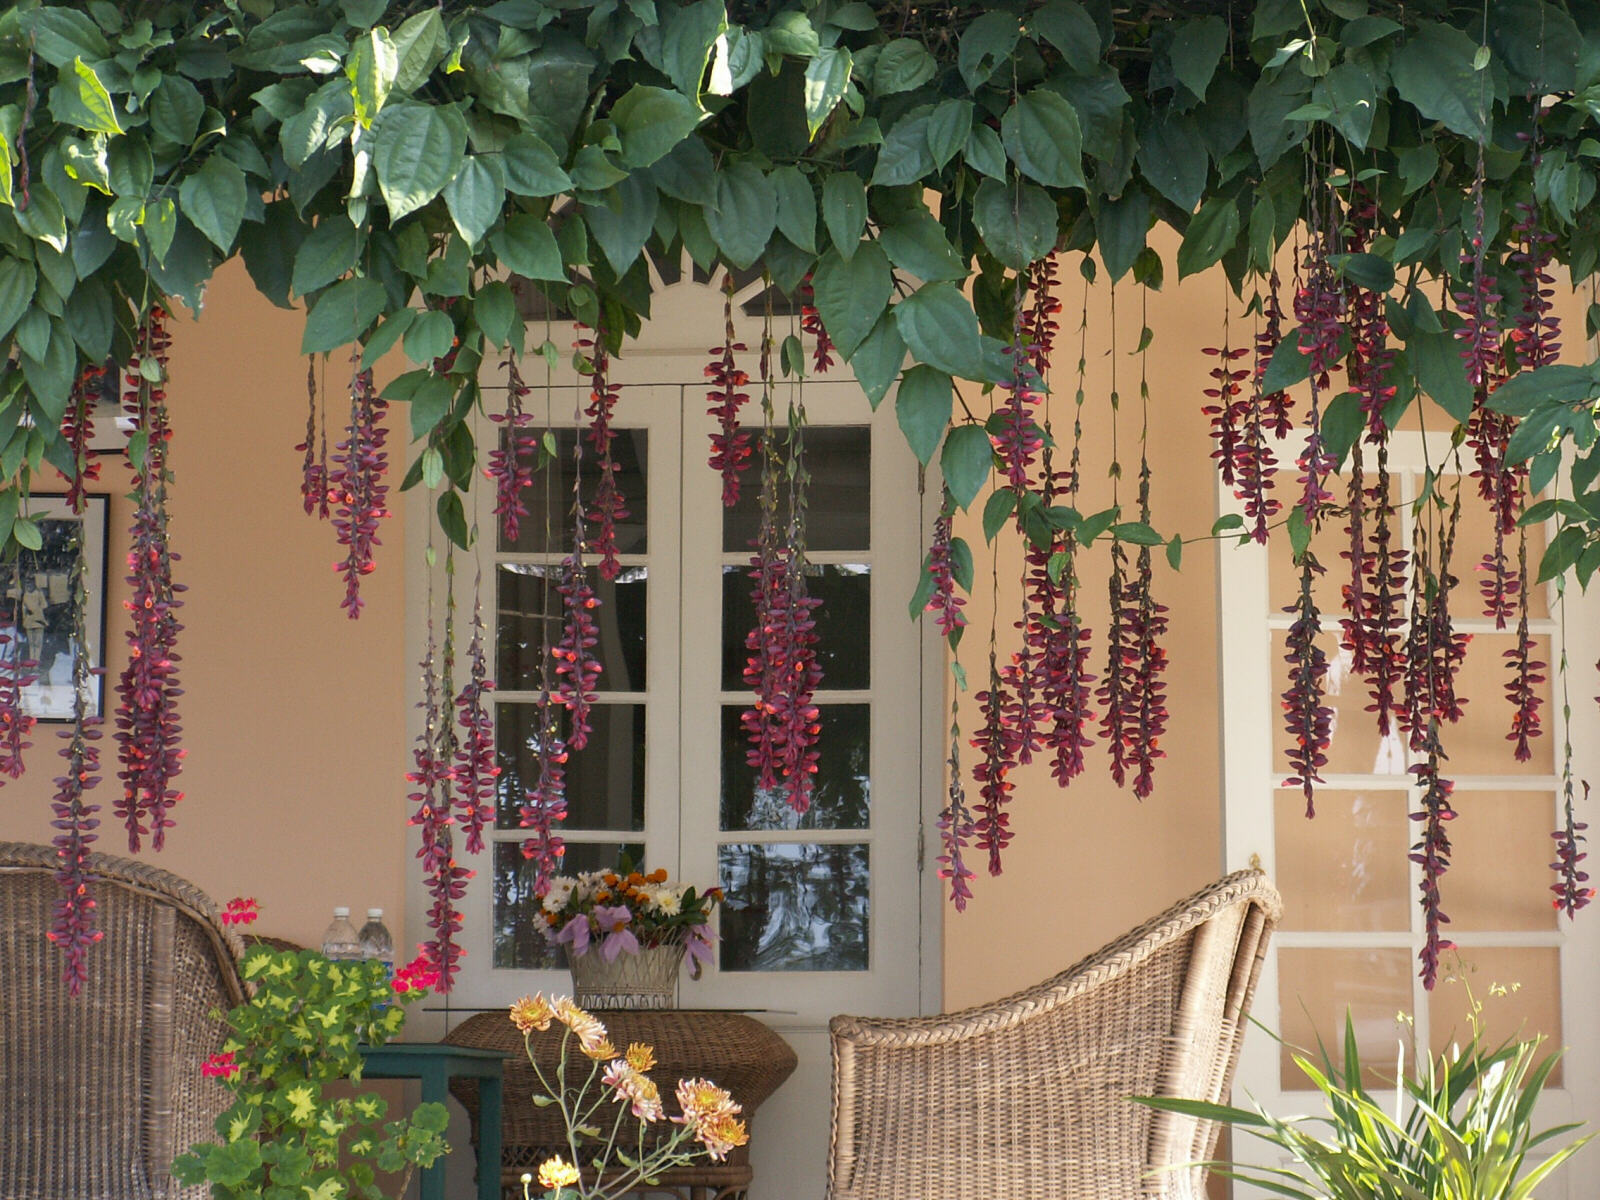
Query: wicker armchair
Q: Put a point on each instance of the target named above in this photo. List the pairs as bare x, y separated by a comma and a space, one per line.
1027, 1098
100, 1092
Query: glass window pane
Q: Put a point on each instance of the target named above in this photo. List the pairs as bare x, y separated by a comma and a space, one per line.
548, 498
1316, 987
604, 780
843, 795
1519, 988
1500, 873
794, 907
839, 507
1346, 870
527, 596
1479, 744
844, 622
1330, 539
1356, 747
519, 941
1475, 539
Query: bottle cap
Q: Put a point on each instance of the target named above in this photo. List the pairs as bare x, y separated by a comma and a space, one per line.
374, 914
341, 911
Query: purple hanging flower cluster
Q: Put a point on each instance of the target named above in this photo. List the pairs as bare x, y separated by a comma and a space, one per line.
16, 674
1037, 321
356, 482
1431, 852
1382, 619
577, 665
1434, 651
77, 430
1016, 434
1307, 719
1227, 411
730, 445
432, 777
997, 745
811, 325
1254, 463
544, 805
784, 721
1319, 307
1132, 693
956, 830
510, 466
475, 767
148, 732
314, 481
607, 507
945, 602
1527, 672
72, 927
1571, 895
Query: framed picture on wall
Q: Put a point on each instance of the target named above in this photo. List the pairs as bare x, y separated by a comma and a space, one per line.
36, 605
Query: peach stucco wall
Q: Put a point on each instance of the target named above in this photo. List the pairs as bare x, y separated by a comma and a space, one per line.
293, 715
1092, 861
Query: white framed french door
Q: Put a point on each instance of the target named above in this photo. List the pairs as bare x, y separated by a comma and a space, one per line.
1352, 926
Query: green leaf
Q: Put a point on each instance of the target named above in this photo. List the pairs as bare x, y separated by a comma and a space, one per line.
1122, 226
1172, 156
1068, 27
1175, 552
941, 329
371, 68
791, 32
916, 244
949, 127
385, 336
59, 33
1342, 423
844, 210
1434, 73
852, 293
328, 252
623, 224
1017, 221
429, 336
1436, 358
419, 43
527, 246
531, 168
1561, 553
965, 462
90, 319
453, 524
1371, 271
1287, 367
175, 110
1196, 50
475, 197
1042, 136
827, 76
687, 35
651, 121
922, 407
877, 362
415, 152
986, 45
905, 156
342, 314
901, 66
1137, 532
797, 207
997, 510
1561, 384
160, 227
1211, 234
86, 101
745, 212
214, 199
1351, 97
985, 154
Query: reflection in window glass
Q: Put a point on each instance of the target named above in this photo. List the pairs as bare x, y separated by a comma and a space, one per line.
519, 941
1317, 987
839, 458
843, 795
547, 529
527, 598
794, 907
844, 621
605, 780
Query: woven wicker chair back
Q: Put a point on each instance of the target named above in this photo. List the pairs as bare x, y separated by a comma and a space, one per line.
1027, 1098
99, 1092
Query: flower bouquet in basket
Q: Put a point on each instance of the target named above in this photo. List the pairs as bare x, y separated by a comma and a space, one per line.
601, 915
597, 1092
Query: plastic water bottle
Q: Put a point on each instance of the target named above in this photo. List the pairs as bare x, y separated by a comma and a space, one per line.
377, 942
341, 942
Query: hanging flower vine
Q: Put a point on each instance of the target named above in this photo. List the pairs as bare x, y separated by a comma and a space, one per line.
356, 483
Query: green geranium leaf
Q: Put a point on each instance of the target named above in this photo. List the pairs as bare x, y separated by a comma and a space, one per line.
878, 360
901, 66
1196, 50
531, 168
1211, 234
328, 252
987, 43
1434, 72
529, 248
81, 99
915, 243
1436, 358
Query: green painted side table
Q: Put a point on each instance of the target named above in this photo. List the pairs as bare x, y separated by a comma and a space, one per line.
436, 1064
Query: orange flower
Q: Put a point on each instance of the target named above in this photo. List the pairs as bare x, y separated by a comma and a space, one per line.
557, 1173
641, 1057
720, 1134
532, 1012
591, 1034
657, 876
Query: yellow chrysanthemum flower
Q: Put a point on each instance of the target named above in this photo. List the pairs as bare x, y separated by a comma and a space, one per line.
701, 1100
557, 1173
590, 1032
532, 1012
721, 1133
641, 1057
638, 1089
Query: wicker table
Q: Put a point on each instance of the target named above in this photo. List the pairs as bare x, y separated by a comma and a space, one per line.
728, 1048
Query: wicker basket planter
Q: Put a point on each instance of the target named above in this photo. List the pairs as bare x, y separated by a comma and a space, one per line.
648, 979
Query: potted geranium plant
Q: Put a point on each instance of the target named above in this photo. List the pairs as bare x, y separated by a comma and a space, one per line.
626, 933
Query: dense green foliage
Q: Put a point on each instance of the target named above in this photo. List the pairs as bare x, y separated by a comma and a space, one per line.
389, 163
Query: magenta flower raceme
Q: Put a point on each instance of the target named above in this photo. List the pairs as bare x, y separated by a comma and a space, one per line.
16, 674
607, 507
1267, 413
1308, 720
1228, 413
1038, 325
956, 830
945, 602
476, 769
1357, 621
1016, 434
314, 460
1432, 853
1319, 307
996, 744
1132, 692
1434, 650
811, 325
511, 462
148, 732
1527, 672
432, 776
1569, 889
731, 445
1371, 356
77, 430
1383, 611
544, 805
356, 481
577, 665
